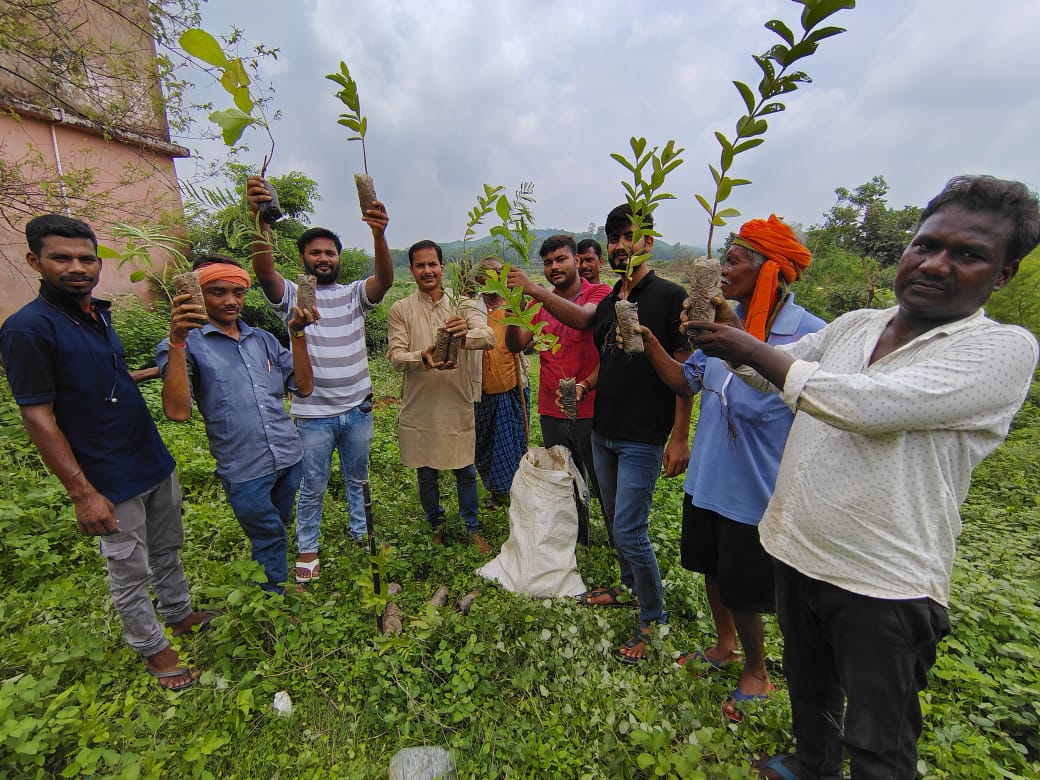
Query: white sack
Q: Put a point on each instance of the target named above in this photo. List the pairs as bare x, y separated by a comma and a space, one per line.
538, 557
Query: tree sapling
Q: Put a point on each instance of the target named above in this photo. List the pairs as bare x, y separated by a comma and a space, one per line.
358, 124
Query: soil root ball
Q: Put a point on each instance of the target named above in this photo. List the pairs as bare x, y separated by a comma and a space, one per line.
306, 294
189, 284
628, 324
705, 284
446, 347
366, 191
569, 398
440, 597
392, 615
466, 602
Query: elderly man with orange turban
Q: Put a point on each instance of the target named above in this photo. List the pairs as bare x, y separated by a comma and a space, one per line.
238, 376
736, 453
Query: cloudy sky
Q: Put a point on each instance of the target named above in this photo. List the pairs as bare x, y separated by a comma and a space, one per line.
459, 94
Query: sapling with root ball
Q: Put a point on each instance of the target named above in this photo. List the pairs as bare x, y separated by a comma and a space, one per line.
358, 124
462, 276
247, 109
777, 79
643, 195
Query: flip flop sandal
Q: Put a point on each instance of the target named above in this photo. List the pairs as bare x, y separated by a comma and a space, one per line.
777, 765
312, 569
180, 671
698, 656
613, 593
638, 638
733, 714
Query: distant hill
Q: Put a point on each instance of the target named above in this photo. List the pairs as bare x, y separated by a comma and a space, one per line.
663, 251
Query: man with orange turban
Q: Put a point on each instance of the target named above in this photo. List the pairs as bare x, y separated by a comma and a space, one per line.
736, 454
238, 376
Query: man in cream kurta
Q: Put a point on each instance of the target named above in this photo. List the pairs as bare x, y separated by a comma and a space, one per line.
435, 425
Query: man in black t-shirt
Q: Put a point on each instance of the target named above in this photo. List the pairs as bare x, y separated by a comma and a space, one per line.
635, 415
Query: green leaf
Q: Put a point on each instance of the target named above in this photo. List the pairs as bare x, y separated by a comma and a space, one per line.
725, 188
728, 213
364, 127
781, 29
638, 145
747, 95
782, 54
232, 122
739, 182
502, 208
138, 276
243, 99
704, 203
824, 32
718, 221
106, 252
715, 174
751, 143
234, 76
817, 11
771, 108
201, 45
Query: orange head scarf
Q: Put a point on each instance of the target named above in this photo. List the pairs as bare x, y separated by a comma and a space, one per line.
224, 272
786, 258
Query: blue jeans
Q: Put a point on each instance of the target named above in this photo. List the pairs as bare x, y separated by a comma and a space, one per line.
351, 434
430, 496
263, 507
627, 473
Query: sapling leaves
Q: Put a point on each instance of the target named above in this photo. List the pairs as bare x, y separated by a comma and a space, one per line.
775, 81
352, 118
203, 46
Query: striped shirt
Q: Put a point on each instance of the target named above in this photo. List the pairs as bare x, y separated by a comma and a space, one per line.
336, 345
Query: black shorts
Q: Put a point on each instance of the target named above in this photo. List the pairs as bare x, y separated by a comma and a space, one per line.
732, 552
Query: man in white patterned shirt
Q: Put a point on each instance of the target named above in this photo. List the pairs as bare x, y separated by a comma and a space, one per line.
893, 410
338, 414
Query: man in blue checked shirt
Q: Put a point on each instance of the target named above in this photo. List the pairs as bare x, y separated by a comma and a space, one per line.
238, 376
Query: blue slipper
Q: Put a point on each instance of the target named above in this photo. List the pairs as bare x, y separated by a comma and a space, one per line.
701, 658
776, 764
729, 707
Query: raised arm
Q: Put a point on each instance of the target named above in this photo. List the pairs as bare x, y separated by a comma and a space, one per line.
570, 314
262, 248
377, 285
518, 339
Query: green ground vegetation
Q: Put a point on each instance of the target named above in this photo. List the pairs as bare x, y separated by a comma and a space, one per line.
519, 687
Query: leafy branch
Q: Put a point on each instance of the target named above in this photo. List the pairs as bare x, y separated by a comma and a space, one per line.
235, 81
138, 244
485, 205
352, 120
644, 194
776, 80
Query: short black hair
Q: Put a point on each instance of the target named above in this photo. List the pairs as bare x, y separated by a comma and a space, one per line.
425, 244
589, 243
559, 241
1010, 199
214, 259
317, 232
620, 217
38, 228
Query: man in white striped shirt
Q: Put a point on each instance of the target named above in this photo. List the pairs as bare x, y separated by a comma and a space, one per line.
893, 410
338, 413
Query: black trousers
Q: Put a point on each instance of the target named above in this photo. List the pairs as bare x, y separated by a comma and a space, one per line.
855, 666
576, 435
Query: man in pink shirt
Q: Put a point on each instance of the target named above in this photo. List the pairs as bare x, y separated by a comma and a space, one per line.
567, 311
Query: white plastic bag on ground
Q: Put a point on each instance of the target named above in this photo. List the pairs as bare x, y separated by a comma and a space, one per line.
538, 557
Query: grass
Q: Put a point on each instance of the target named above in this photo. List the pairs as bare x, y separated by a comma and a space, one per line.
519, 687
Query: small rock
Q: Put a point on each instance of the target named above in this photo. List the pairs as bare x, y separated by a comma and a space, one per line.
422, 763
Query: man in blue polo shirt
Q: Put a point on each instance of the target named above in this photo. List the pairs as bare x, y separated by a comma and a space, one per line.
88, 420
736, 453
238, 376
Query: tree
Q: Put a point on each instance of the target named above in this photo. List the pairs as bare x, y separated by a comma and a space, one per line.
1019, 302
861, 222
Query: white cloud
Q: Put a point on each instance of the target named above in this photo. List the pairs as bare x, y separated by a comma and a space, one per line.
462, 93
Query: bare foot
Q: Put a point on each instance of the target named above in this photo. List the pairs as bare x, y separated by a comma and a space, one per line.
166, 661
